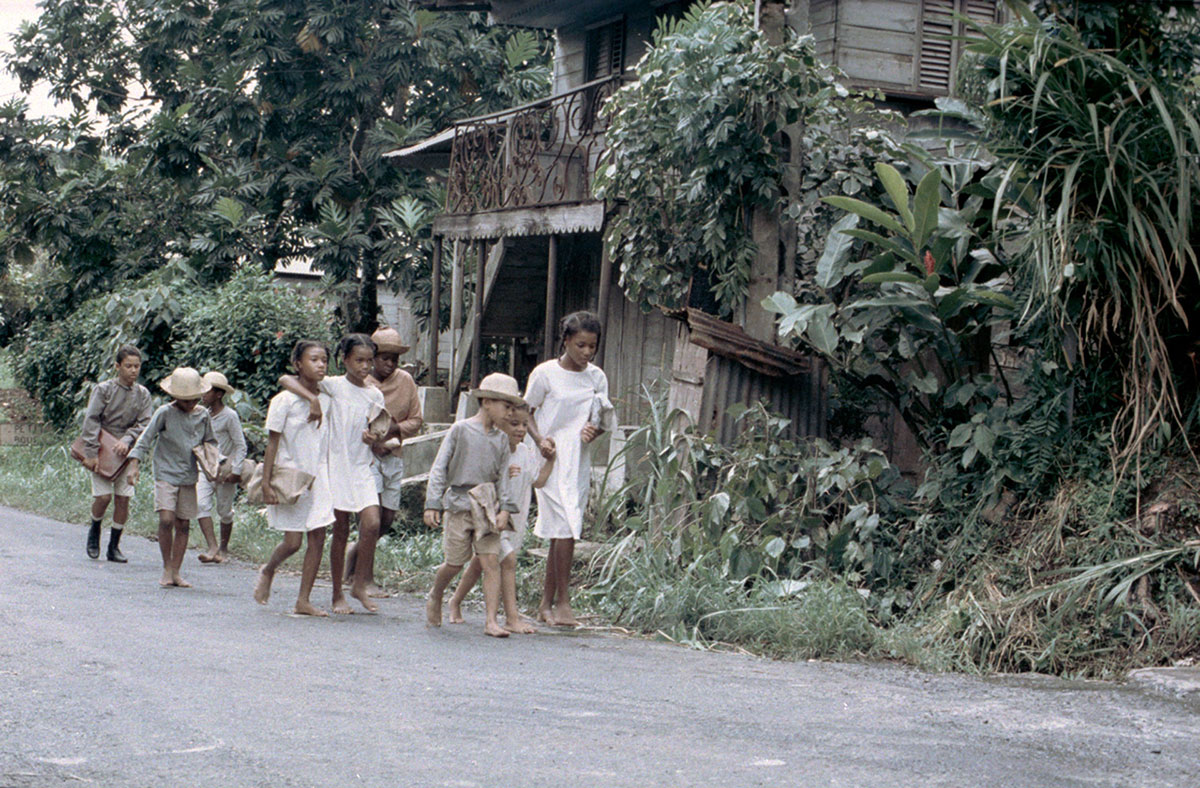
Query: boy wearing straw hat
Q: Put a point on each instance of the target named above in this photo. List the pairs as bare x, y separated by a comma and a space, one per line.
466, 498
403, 405
216, 497
178, 427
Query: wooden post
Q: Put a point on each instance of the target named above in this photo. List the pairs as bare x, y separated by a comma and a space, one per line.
551, 291
605, 290
477, 340
435, 309
456, 316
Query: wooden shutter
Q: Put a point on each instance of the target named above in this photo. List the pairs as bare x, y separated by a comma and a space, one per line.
605, 50
981, 11
936, 58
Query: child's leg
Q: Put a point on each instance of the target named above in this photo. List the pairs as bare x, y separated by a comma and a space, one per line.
563, 615
433, 605
226, 533
266, 573
99, 506
312, 562
490, 564
120, 511
337, 560
205, 505
368, 535
166, 540
469, 579
225, 493
210, 540
178, 549
508, 596
550, 586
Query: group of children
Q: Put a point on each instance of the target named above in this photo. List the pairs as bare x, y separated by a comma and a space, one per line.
335, 449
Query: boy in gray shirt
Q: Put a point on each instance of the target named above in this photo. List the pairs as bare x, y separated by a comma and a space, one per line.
178, 427
216, 497
466, 500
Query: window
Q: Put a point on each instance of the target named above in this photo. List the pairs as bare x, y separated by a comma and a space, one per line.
939, 53
605, 50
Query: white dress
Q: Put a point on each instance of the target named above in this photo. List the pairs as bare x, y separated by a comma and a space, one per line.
349, 412
528, 460
563, 401
302, 445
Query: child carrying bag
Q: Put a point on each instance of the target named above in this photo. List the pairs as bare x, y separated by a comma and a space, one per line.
111, 464
288, 483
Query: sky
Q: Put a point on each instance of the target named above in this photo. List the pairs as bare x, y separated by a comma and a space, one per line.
12, 14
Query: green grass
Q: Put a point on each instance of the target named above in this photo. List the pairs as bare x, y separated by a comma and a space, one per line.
7, 378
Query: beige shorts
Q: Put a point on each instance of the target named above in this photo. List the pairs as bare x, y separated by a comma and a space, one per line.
215, 499
460, 542
118, 486
181, 500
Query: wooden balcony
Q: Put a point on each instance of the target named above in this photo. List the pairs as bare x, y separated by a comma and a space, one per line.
537, 155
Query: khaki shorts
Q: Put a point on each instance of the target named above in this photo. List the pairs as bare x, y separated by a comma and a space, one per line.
215, 499
459, 540
180, 500
118, 486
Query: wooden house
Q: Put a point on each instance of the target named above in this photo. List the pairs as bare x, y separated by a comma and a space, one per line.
519, 201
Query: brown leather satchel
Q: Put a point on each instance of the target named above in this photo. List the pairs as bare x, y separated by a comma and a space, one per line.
111, 464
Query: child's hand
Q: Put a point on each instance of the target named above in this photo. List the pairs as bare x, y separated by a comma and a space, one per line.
268, 493
504, 521
514, 471
547, 447
589, 433
91, 463
368, 438
314, 411
433, 518
134, 473
121, 449
379, 449
232, 478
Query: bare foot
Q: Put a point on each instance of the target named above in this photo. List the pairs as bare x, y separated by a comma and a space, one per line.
546, 617
166, 581
205, 558
564, 616
375, 592
495, 630
433, 611
306, 608
340, 607
362, 596
520, 627
179, 582
456, 616
262, 587
221, 557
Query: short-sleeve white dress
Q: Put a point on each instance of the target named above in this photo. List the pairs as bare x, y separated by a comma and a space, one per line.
563, 402
302, 445
349, 412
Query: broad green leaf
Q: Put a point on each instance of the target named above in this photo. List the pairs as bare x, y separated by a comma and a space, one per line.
866, 211
983, 440
822, 334
892, 276
775, 547
925, 206
831, 266
897, 189
961, 435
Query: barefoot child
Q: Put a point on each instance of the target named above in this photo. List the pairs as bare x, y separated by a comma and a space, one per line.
217, 497
567, 394
296, 442
400, 399
351, 406
526, 472
121, 406
474, 457
178, 427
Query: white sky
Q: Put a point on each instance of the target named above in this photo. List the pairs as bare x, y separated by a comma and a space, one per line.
12, 14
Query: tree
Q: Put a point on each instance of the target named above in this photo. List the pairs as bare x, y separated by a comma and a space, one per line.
270, 118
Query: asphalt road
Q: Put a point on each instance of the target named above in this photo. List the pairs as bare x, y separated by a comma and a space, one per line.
106, 679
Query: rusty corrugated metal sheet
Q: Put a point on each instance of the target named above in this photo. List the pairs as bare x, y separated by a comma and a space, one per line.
800, 398
730, 341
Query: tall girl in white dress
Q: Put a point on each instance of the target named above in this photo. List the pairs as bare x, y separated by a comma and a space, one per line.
352, 404
563, 393
296, 442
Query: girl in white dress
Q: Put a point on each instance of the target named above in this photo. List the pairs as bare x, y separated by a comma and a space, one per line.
351, 406
564, 394
296, 442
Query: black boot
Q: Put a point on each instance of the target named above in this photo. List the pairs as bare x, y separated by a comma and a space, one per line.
93, 543
114, 550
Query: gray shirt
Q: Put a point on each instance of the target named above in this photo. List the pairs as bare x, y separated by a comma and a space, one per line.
122, 410
231, 441
469, 456
177, 434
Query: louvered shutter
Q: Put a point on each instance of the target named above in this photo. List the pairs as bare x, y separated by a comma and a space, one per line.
605, 50
937, 49
981, 11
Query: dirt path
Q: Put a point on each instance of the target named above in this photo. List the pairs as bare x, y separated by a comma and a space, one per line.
106, 679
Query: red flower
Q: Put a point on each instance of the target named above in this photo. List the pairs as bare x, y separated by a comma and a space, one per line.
929, 262
279, 335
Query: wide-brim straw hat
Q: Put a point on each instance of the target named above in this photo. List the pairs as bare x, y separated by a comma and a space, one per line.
388, 340
218, 381
499, 386
184, 383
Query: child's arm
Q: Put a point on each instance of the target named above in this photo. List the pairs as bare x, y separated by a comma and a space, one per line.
91, 429
239, 448
292, 383
268, 493
138, 428
140, 449
436, 487
544, 473
411, 424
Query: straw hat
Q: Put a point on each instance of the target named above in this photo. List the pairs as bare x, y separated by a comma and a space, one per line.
184, 383
499, 386
388, 340
218, 381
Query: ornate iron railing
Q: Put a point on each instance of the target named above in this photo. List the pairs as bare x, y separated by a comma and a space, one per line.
543, 153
